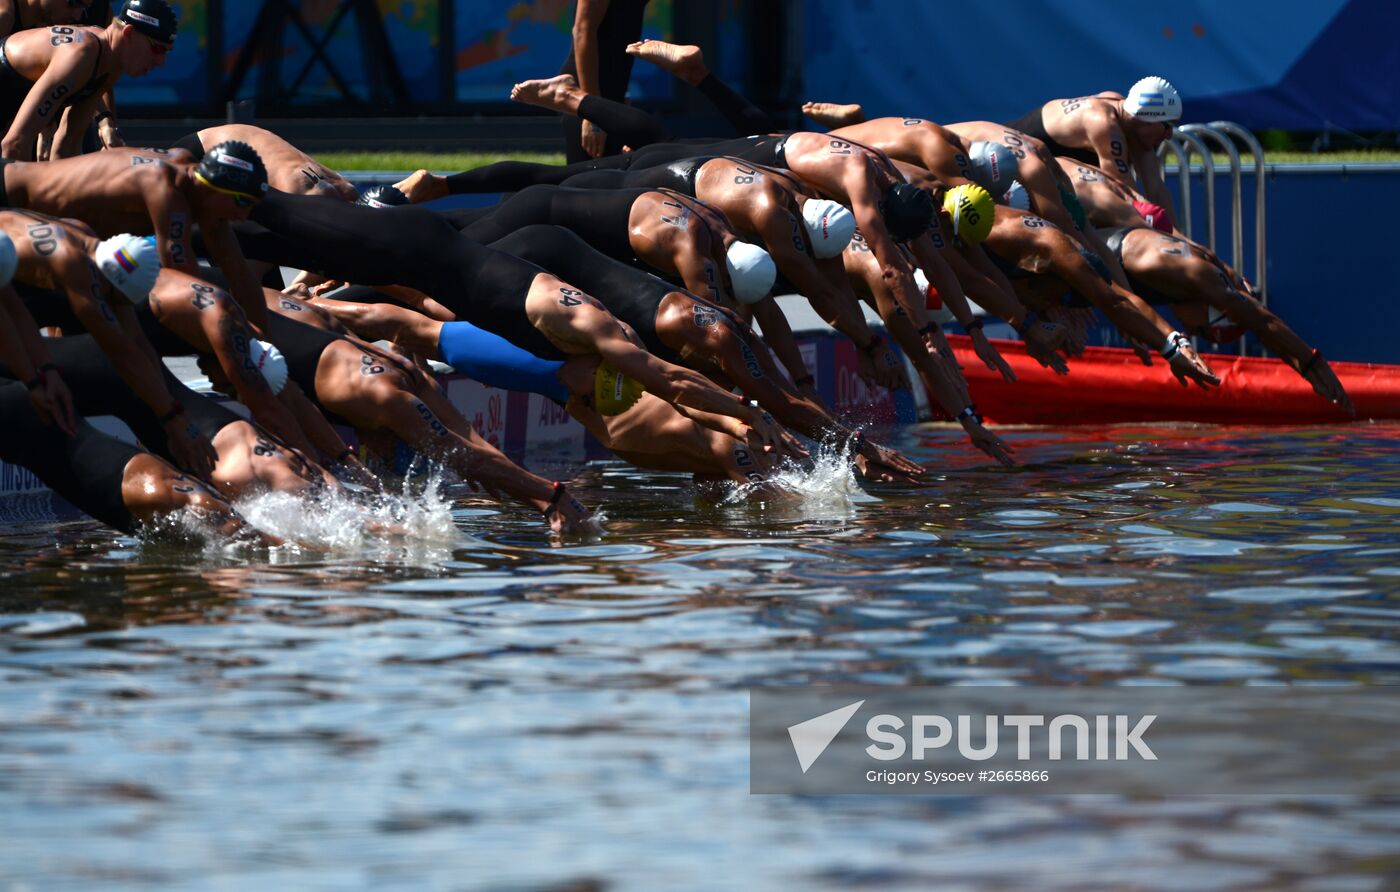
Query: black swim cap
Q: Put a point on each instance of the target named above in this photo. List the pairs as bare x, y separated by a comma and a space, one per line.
908, 212
153, 18
233, 166
382, 197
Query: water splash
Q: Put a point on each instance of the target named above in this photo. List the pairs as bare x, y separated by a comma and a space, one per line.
418, 517
825, 485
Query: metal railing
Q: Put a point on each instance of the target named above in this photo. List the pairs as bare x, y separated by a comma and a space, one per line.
1192, 138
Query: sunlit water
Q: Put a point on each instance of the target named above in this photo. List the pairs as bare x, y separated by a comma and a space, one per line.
473, 706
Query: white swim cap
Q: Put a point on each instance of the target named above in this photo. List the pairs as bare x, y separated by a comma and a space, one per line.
1153, 99
829, 225
994, 166
131, 263
269, 362
751, 270
9, 262
1017, 197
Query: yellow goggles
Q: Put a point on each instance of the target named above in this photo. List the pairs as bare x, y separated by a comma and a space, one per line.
243, 198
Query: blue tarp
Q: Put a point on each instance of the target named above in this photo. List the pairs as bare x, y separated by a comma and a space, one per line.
1295, 65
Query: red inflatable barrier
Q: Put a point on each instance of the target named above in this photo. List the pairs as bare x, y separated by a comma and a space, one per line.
1110, 384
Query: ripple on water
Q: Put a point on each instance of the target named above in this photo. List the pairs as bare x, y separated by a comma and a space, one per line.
1284, 594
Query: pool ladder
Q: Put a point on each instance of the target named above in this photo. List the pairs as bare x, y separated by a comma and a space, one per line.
1193, 138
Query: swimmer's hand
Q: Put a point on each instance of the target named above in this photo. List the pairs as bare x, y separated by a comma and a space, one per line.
323, 288
1186, 363
1324, 381
1044, 340
878, 366
989, 355
888, 459
52, 401
565, 513
595, 139
355, 471
878, 472
989, 442
766, 435
191, 450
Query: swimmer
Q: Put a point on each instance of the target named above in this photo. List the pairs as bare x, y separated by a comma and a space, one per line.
119, 484
1118, 133
673, 234
1215, 302
638, 427
803, 234
152, 191
249, 460
289, 169
458, 278
27, 353
375, 393
1043, 261
1108, 203
101, 282
679, 327
44, 71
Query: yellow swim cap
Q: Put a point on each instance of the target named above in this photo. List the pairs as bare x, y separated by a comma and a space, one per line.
614, 392
970, 207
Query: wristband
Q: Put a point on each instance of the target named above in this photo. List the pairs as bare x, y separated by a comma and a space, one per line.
805, 380
931, 327
970, 411
553, 507
349, 451
1173, 345
101, 116
175, 412
875, 341
1312, 361
1026, 323
974, 325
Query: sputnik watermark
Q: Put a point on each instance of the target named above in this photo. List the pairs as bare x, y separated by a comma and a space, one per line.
1075, 740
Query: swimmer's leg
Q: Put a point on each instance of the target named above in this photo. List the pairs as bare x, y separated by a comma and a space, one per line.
634, 127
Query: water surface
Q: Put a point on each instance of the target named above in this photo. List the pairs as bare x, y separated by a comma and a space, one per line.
481, 707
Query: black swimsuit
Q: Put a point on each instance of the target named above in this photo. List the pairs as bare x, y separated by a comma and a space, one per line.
407, 245
87, 470
1114, 238
600, 217
1032, 123
678, 176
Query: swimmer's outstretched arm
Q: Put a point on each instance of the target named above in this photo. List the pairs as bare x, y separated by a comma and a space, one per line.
23, 350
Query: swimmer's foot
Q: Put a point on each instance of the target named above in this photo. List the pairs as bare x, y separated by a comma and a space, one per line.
559, 93
422, 186
686, 62
829, 114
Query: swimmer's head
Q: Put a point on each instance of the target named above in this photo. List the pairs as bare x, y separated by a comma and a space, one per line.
829, 226
908, 212
971, 212
130, 263
1155, 215
9, 261
1155, 100
994, 166
270, 363
153, 18
751, 270
234, 168
1017, 197
614, 392
383, 197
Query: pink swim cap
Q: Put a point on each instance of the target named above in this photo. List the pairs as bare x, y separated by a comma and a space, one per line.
1155, 215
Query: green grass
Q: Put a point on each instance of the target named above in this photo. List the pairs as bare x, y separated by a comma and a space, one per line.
457, 161
447, 161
